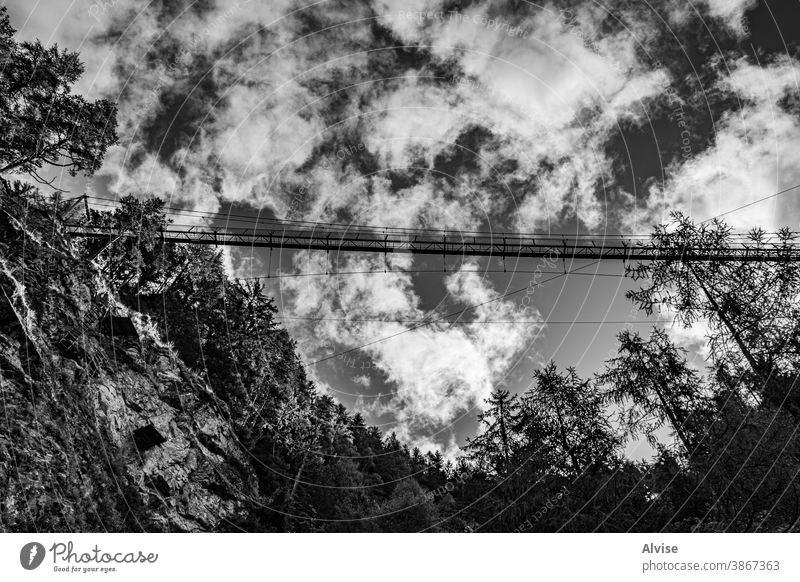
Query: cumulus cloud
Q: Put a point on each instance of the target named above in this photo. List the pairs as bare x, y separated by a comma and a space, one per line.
255, 138
244, 91
553, 95
731, 11
754, 155
413, 116
437, 371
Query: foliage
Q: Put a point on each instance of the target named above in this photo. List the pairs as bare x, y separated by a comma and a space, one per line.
41, 122
651, 384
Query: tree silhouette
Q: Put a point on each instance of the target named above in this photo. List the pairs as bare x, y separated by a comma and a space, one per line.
564, 419
493, 449
41, 121
652, 384
751, 306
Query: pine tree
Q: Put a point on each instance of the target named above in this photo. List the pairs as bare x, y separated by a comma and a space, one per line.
750, 306
494, 448
41, 122
564, 420
652, 384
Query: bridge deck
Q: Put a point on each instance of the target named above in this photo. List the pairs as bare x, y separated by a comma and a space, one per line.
510, 246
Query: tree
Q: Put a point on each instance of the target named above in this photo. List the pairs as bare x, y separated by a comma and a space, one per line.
493, 449
41, 121
135, 260
564, 420
652, 384
751, 306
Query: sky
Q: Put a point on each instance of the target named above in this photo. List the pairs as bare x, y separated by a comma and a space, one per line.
557, 117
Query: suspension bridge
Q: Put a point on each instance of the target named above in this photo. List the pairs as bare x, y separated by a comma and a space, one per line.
329, 237
332, 238
261, 232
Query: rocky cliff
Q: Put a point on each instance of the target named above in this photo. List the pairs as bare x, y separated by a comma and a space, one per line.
103, 426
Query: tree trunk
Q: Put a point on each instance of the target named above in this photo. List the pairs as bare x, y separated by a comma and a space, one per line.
504, 435
658, 387
737, 338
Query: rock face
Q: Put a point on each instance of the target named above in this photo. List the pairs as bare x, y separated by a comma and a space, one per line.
99, 432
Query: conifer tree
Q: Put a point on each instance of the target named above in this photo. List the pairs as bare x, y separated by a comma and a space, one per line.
652, 384
564, 420
750, 306
494, 447
41, 121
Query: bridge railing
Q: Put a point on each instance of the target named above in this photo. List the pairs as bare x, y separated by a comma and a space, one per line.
498, 245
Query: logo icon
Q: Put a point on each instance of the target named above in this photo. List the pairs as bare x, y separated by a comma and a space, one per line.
31, 555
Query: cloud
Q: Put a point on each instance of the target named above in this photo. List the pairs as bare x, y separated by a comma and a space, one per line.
731, 12
692, 338
363, 380
255, 138
553, 97
235, 99
196, 80
763, 85
437, 371
414, 115
754, 155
